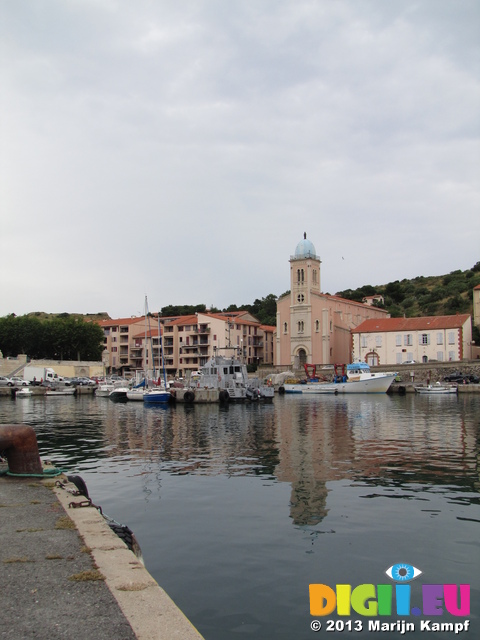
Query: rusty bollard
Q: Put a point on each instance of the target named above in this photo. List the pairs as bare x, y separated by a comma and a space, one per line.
18, 442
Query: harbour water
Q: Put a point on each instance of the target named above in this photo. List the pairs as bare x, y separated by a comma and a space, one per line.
239, 508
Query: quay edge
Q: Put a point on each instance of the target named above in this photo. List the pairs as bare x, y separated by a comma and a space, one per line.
137, 606
151, 613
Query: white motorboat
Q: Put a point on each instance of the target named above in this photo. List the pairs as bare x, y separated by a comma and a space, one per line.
56, 392
119, 394
24, 392
351, 378
104, 389
437, 389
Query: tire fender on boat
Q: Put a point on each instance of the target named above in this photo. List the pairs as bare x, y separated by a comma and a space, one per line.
189, 396
224, 396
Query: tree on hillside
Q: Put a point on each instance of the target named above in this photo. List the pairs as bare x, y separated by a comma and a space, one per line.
182, 310
265, 310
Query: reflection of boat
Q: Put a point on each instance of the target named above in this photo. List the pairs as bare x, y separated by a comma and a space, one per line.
350, 378
53, 392
437, 389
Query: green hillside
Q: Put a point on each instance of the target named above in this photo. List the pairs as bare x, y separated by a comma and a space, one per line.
424, 295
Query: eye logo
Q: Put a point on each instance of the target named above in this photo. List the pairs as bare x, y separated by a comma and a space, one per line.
403, 572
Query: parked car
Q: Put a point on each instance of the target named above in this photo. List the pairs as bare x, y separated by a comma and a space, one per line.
19, 382
462, 378
6, 382
409, 362
81, 382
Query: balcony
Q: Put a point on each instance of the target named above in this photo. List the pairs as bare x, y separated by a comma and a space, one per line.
202, 329
136, 350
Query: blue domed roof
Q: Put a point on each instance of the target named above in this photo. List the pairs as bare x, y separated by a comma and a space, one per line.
305, 249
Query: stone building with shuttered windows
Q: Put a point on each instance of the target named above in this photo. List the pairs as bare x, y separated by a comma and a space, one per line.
399, 340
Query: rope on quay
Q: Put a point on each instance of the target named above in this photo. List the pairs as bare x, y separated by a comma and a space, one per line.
50, 472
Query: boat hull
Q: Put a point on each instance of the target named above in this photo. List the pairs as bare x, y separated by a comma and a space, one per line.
156, 397
374, 384
104, 390
436, 390
52, 393
136, 395
119, 395
24, 393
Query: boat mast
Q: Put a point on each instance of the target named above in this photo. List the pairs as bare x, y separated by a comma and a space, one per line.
145, 348
147, 313
161, 352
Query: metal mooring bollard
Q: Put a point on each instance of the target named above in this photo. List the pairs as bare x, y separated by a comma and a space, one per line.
18, 442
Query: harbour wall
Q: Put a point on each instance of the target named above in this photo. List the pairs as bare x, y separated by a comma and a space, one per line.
67, 368
421, 371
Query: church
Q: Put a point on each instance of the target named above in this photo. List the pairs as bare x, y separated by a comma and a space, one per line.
313, 327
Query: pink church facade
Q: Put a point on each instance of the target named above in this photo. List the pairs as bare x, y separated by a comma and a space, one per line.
313, 327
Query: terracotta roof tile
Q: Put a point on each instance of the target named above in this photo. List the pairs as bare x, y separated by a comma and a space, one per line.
116, 322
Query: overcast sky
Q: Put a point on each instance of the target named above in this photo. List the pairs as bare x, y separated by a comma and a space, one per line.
179, 149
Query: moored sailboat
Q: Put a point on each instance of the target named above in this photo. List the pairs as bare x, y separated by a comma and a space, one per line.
159, 394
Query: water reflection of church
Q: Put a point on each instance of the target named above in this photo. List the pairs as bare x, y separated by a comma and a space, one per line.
312, 326
308, 444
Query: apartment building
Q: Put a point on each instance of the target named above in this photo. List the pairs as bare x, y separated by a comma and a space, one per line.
189, 341
122, 350
132, 344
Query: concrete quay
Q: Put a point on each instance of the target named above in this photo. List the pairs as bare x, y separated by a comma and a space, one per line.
65, 575
39, 390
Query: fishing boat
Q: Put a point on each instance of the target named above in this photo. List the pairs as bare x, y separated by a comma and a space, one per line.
350, 378
437, 389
